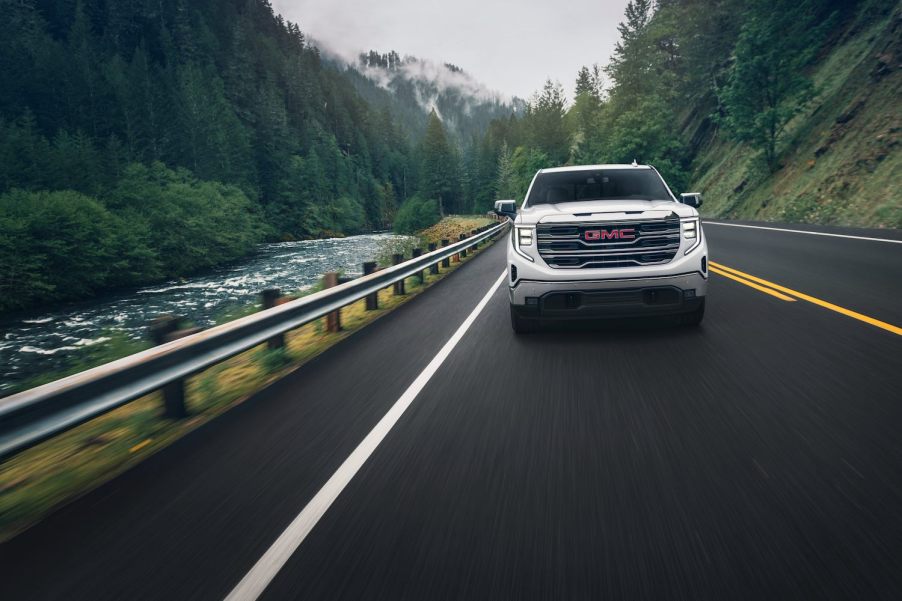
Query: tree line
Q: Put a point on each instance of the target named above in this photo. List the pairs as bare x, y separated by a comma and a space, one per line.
681, 71
187, 131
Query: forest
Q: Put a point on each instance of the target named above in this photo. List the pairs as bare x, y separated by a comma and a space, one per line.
681, 71
142, 140
149, 139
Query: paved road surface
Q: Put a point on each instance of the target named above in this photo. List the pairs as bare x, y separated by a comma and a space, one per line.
758, 456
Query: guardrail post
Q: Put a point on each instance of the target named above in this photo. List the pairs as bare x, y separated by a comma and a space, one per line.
433, 269
162, 330
446, 262
418, 252
463, 252
333, 319
399, 285
174, 400
270, 298
372, 300
475, 244
161, 327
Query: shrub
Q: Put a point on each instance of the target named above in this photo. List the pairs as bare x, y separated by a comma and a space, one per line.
416, 214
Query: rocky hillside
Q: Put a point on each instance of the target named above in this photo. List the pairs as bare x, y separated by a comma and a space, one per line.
840, 161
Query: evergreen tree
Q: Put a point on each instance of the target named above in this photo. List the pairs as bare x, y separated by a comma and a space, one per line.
544, 120
629, 64
586, 105
439, 169
504, 186
767, 84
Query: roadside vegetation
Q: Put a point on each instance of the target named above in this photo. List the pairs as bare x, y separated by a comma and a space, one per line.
35, 482
839, 155
775, 110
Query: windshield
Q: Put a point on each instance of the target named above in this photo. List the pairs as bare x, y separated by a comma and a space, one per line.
600, 184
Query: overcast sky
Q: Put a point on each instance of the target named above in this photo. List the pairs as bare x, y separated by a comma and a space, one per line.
511, 46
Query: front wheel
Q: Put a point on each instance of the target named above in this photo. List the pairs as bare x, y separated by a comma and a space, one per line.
521, 325
694, 318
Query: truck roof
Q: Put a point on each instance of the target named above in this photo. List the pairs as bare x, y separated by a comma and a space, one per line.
593, 168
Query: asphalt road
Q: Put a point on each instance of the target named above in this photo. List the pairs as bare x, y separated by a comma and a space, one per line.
758, 456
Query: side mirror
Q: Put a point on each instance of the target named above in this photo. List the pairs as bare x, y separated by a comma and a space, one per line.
506, 208
693, 199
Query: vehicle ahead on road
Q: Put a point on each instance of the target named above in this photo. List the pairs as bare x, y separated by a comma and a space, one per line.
604, 241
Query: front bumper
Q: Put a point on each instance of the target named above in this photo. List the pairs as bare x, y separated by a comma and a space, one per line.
589, 299
538, 290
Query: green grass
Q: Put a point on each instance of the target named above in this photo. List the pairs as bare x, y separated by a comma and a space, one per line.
37, 481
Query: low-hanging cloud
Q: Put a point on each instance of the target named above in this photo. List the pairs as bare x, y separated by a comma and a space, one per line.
431, 79
511, 47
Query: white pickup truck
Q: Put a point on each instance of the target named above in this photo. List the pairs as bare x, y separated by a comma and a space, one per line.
604, 241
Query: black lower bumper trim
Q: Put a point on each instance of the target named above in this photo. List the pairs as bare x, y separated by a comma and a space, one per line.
594, 304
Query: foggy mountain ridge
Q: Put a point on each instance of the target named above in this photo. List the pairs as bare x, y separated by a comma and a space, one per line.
418, 86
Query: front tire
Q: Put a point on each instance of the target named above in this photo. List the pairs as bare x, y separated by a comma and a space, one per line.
521, 325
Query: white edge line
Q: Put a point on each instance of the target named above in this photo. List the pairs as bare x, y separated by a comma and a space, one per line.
778, 229
258, 578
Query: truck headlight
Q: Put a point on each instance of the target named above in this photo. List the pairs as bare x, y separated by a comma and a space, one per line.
691, 232
690, 229
522, 237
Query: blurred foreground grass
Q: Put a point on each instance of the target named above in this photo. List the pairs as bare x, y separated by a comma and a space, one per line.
36, 481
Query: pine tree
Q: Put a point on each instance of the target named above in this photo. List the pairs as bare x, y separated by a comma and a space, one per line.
629, 63
767, 84
545, 122
504, 184
438, 170
586, 106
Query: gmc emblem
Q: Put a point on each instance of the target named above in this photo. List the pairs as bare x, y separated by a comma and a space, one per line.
595, 235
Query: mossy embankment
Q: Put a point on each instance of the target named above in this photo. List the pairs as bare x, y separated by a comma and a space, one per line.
840, 160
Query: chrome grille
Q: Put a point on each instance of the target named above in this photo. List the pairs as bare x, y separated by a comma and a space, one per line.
564, 245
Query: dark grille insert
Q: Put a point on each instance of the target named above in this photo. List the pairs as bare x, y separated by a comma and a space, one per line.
564, 245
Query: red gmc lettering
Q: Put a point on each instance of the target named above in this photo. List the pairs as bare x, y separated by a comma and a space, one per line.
624, 234
628, 234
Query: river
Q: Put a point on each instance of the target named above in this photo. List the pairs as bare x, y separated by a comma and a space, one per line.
34, 343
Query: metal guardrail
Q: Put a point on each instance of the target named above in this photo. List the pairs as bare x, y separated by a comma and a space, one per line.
35, 415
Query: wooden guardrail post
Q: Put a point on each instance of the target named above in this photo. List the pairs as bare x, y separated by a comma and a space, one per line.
269, 299
397, 259
475, 244
446, 262
174, 400
418, 252
433, 269
372, 300
162, 326
162, 330
463, 252
333, 319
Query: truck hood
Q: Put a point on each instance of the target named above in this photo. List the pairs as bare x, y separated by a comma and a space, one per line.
603, 210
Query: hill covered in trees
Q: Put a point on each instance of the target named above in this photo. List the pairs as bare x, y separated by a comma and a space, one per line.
778, 109
417, 87
147, 139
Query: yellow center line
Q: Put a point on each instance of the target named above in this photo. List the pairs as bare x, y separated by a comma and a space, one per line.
752, 284
821, 303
